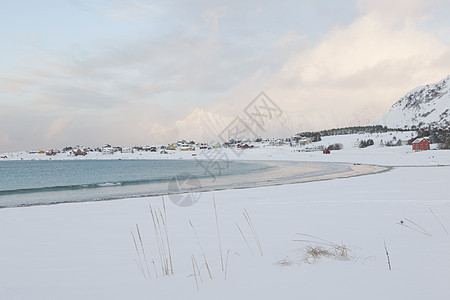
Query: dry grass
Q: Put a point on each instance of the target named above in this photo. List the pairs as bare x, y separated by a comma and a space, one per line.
252, 228
167, 234
387, 255
139, 261
195, 271
162, 241
318, 248
437, 219
143, 251
245, 240
414, 226
218, 232
226, 264
201, 248
286, 262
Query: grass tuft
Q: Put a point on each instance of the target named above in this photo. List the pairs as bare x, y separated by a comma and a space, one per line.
285, 262
318, 248
162, 239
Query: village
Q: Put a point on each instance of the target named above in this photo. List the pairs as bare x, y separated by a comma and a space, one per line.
301, 142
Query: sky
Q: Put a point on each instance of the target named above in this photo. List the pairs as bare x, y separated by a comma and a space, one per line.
84, 72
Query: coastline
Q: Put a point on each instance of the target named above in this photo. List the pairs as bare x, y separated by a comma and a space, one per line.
278, 173
85, 250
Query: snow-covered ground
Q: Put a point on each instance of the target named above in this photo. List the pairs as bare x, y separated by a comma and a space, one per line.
86, 250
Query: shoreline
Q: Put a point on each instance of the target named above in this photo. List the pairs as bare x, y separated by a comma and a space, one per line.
87, 251
356, 170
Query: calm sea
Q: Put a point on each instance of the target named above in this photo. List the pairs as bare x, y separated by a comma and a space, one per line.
24, 183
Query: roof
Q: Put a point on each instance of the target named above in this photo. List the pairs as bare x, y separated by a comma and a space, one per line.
419, 140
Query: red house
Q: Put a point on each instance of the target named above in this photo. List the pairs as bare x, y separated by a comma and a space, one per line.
421, 144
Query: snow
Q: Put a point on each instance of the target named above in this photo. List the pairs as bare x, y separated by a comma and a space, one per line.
75, 251
428, 104
86, 251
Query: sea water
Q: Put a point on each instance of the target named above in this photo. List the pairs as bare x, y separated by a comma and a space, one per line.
24, 183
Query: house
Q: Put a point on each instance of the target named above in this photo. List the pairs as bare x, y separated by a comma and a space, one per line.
217, 145
421, 144
171, 147
127, 150
79, 152
305, 141
187, 147
51, 152
312, 149
245, 146
107, 150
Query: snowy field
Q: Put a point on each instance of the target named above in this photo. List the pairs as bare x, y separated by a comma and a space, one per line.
86, 250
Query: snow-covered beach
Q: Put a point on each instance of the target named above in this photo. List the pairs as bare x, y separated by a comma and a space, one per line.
225, 150
86, 250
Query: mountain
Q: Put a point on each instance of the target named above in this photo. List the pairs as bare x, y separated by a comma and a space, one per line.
424, 106
204, 126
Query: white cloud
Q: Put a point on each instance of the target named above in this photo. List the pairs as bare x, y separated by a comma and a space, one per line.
368, 64
146, 89
57, 127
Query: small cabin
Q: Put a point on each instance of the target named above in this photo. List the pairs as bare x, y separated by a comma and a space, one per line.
421, 144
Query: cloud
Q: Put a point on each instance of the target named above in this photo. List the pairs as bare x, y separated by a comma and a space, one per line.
15, 84
194, 60
5, 139
57, 127
129, 11
370, 63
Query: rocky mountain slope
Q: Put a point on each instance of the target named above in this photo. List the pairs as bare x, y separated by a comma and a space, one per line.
424, 106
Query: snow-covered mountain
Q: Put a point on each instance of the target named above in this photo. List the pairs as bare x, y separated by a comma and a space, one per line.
204, 126
422, 107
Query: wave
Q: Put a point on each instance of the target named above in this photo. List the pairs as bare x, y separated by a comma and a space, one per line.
81, 186
109, 184
59, 188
